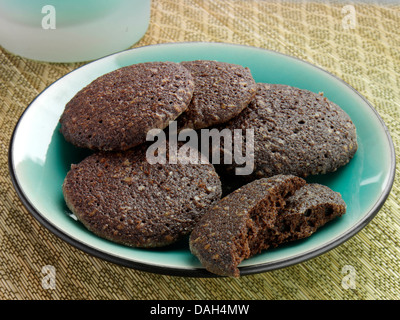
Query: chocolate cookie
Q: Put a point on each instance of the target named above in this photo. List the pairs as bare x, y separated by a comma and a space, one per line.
232, 229
222, 91
121, 197
115, 111
295, 132
262, 214
309, 208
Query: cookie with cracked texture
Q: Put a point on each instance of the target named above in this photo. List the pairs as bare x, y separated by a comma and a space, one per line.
121, 197
296, 132
308, 209
115, 111
222, 90
231, 229
260, 215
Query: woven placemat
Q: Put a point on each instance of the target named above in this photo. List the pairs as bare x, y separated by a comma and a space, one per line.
366, 56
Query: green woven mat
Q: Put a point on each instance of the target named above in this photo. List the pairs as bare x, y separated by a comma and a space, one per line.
367, 57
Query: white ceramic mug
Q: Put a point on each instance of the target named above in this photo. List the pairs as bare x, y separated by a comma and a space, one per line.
71, 30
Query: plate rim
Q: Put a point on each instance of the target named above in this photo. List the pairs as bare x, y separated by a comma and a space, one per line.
202, 272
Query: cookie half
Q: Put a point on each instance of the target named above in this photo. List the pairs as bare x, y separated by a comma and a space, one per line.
121, 197
295, 132
231, 230
308, 209
222, 91
262, 214
115, 111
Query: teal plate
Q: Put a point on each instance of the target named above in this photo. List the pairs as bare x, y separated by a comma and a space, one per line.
39, 158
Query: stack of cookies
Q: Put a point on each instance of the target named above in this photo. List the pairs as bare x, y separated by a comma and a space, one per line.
118, 195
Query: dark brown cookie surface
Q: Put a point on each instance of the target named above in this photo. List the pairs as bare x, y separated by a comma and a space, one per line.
222, 91
231, 230
295, 132
115, 111
262, 214
309, 208
121, 197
